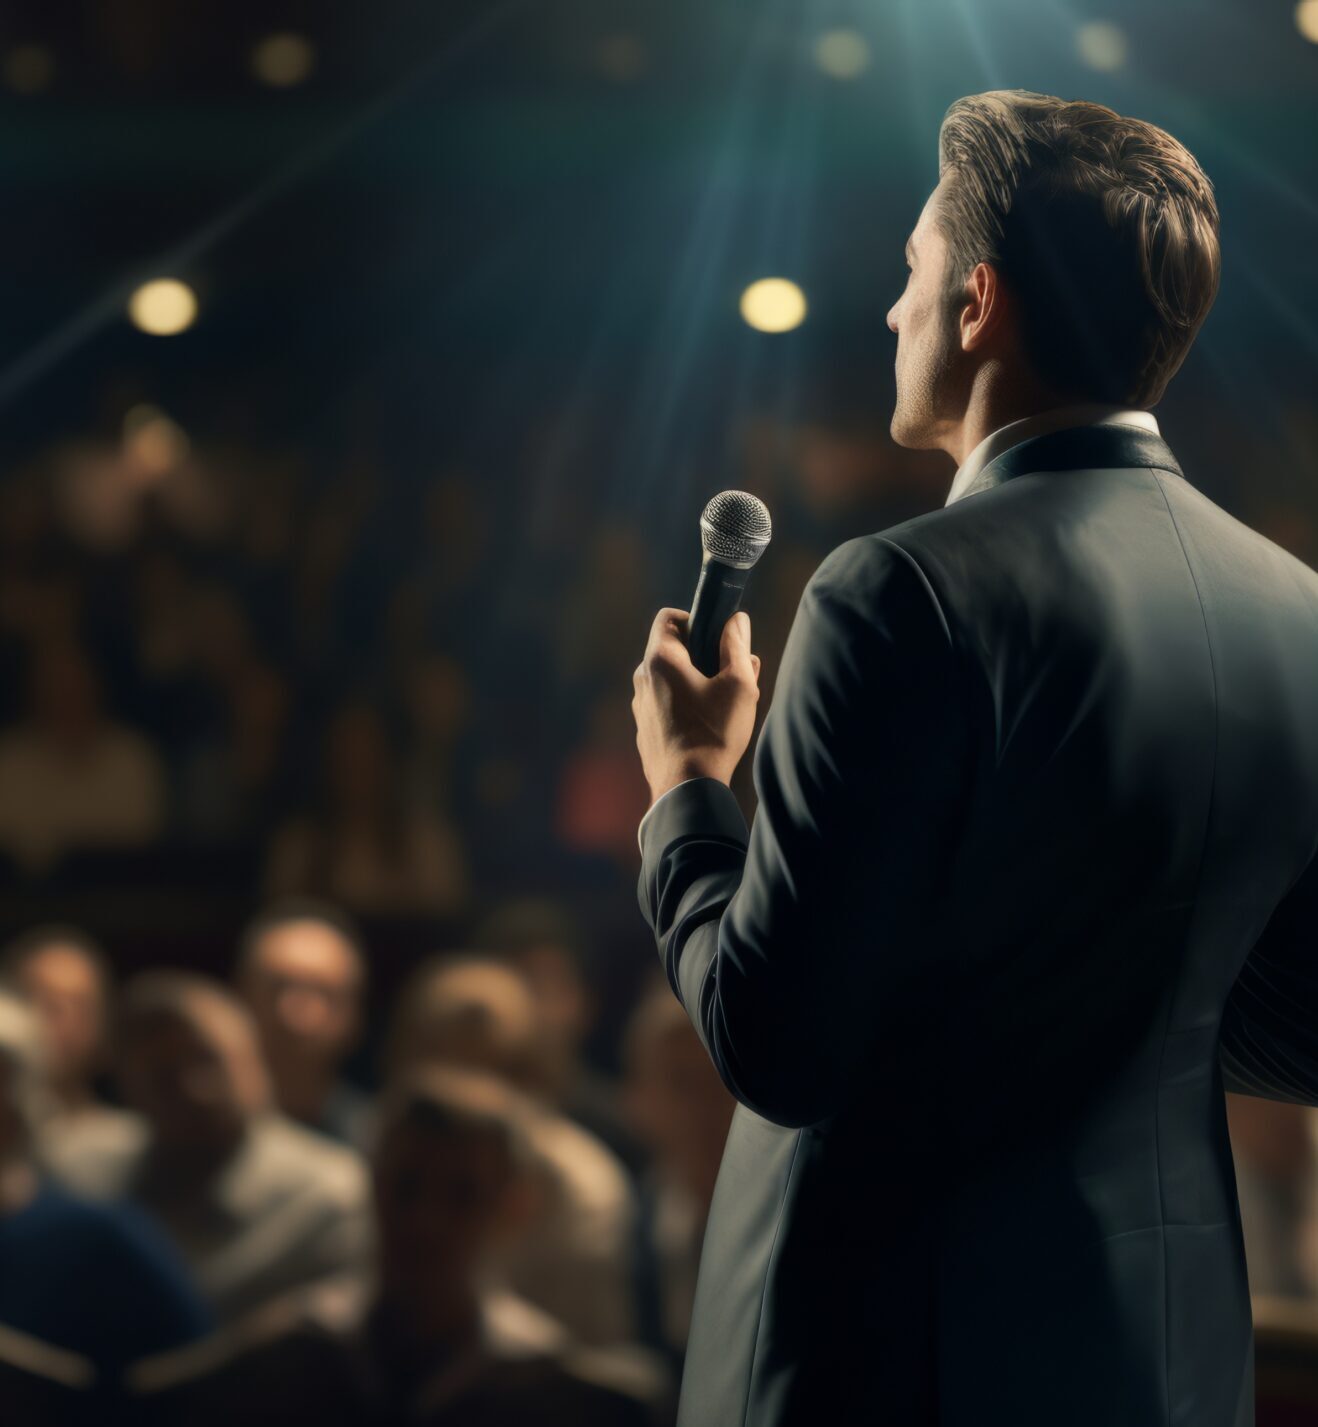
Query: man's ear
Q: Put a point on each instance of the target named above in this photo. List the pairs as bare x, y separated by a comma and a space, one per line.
983, 308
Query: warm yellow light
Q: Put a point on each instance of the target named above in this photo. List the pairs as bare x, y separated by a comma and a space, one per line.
1306, 19
1101, 46
283, 60
773, 305
28, 69
842, 54
163, 307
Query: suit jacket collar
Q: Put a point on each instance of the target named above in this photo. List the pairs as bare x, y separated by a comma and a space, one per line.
1079, 448
1041, 423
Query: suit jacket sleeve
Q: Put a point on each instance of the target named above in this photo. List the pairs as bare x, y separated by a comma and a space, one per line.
1269, 1040
795, 945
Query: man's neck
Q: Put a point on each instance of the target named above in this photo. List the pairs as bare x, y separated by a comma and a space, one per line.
995, 402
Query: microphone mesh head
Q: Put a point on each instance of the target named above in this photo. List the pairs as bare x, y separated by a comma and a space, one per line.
735, 528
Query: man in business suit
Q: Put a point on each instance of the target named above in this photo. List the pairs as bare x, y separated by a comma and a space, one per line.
1032, 872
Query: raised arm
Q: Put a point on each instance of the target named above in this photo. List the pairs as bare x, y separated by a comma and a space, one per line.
794, 947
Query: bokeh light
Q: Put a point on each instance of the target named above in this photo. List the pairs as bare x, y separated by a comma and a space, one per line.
1102, 46
28, 69
1306, 19
842, 54
283, 60
773, 304
163, 307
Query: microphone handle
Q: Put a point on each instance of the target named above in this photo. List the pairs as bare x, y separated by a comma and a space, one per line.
718, 598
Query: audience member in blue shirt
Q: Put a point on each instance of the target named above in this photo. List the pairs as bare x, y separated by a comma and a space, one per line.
97, 1280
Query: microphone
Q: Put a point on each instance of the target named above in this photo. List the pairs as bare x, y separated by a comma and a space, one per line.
734, 533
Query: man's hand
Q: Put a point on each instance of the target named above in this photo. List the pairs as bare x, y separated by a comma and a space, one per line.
688, 726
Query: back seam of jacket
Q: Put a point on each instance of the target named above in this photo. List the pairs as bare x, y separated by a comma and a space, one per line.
768, 1274
1198, 880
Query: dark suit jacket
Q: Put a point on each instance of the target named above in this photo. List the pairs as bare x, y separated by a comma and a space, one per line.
1032, 874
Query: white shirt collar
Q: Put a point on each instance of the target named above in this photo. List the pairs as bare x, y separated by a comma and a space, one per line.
1060, 418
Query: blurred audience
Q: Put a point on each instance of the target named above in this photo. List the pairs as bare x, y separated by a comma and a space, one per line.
429, 1338
681, 1110
108, 484
432, 603
1277, 1180
475, 1013
367, 847
301, 971
232, 770
436, 700
94, 1280
65, 977
255, 1204
544, 943
70, 778
596, 637
602, 795
42, 1386
303, 700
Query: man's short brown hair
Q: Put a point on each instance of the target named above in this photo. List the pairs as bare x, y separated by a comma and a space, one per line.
1104, 228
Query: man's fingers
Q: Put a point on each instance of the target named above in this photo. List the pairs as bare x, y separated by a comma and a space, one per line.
668, 628
666, 653
666, 648
735, 647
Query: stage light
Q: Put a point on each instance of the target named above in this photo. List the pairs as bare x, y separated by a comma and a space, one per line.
163, 307
842, 54
283, 60
621, 58
1306, 19
28, 69
774, 304
1101, 46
